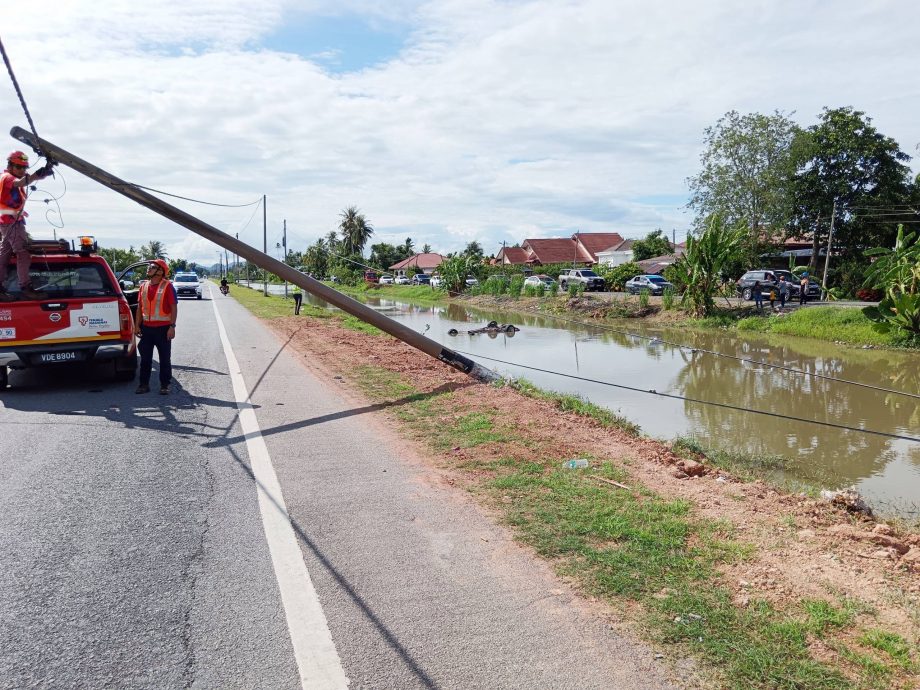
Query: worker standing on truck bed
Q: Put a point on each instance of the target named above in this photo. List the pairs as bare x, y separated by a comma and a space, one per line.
14, 188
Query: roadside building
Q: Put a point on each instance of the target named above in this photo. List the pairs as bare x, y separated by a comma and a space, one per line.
418, 263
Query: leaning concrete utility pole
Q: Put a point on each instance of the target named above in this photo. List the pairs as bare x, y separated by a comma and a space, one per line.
260, 259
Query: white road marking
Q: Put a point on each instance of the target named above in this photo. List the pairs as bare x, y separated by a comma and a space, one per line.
317, 659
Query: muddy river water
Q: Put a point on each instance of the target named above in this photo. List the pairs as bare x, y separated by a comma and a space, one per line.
885, 470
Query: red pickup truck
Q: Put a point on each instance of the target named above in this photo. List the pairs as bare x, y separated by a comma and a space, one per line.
83, 315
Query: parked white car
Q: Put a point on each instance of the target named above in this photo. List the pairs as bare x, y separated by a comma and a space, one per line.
386, 279
435, 281
402, 280
540, 279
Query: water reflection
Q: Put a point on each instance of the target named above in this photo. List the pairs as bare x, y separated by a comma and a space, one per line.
886, 470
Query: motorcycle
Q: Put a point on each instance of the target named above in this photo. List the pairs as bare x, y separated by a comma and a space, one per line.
224, 289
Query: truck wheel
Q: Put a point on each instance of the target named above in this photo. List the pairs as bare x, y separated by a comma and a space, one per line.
126, 368
746, 293
4, 377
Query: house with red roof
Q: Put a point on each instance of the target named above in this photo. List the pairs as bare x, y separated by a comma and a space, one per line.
425, 263
581, 248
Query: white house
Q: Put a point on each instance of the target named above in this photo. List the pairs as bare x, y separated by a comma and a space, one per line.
616, 255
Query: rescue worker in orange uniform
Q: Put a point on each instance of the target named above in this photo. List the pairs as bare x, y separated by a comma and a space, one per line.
155, 325
14, 188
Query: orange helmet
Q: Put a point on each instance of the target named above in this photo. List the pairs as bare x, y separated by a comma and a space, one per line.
163, 265
18, 158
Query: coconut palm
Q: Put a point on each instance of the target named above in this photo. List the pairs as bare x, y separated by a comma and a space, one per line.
153, 250
356, 231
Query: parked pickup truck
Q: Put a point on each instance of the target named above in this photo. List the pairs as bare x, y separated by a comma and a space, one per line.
82, 314
585, 276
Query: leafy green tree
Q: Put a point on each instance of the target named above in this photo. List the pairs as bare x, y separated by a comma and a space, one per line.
474, 251
426, 248
702, 268
154, 249
453, 272
384, 255
355, 229
845, 166
176, 265
408, 248
897, 272
119, 259
316, 258
654, 244
745, 178
616, 276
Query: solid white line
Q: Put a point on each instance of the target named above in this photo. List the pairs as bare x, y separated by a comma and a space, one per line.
317, 660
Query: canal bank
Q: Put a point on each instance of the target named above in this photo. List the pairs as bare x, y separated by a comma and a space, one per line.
761, 584
802, 413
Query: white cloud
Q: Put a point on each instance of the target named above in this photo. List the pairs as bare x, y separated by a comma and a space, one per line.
499, 120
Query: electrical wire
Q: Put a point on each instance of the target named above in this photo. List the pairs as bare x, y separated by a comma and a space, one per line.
747, 360
185, 198
22, 100
673, 396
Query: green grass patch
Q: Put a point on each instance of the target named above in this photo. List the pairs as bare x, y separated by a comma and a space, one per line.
273, 307
577, 405
895, 646
844, 324
379, 383
636, 545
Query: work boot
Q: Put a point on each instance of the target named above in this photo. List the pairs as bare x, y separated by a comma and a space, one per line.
143, 388
27, 292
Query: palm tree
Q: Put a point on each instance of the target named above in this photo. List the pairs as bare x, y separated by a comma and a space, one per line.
426, 248
153, 250
356, 231
409, 247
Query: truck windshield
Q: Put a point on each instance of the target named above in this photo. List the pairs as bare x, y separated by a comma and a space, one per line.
66, 279
186, 279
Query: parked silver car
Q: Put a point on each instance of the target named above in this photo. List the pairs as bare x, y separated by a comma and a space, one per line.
654, 285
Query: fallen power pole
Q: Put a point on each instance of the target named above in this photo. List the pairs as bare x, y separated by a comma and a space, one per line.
260, 259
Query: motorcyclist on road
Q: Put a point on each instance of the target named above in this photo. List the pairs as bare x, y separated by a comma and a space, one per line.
224, 286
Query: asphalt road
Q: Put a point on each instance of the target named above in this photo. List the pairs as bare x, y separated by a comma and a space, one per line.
200, 540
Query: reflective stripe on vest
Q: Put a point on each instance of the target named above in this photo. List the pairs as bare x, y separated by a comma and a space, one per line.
157, 314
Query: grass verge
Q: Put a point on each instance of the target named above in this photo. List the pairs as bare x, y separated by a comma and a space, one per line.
272, 307
653, 558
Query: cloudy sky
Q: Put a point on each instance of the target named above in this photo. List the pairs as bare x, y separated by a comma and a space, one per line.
445, 121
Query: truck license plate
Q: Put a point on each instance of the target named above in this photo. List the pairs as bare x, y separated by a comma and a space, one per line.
58, 357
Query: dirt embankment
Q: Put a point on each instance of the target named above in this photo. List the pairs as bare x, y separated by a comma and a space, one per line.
803, 547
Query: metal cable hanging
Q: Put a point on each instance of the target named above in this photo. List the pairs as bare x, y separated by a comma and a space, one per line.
736, 408
22, 100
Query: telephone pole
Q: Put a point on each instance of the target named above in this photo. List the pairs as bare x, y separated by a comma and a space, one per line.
264, 243
827, 259
284, 246
398, 330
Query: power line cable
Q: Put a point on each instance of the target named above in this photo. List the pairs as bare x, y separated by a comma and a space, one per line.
22, 100
736, 408
185, 198
747, 360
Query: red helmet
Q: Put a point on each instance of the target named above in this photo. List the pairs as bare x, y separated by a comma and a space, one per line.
18, 158
163, 265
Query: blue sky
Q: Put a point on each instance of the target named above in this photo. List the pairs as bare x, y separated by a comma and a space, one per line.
447, 121
341, 44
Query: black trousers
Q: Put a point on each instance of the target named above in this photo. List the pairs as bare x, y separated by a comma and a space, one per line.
155, 337
298, 298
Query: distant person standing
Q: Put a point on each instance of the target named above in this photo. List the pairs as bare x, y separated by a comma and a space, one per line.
803, 289
757, 294
783, 289
14, 240
298, 298
155, 325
